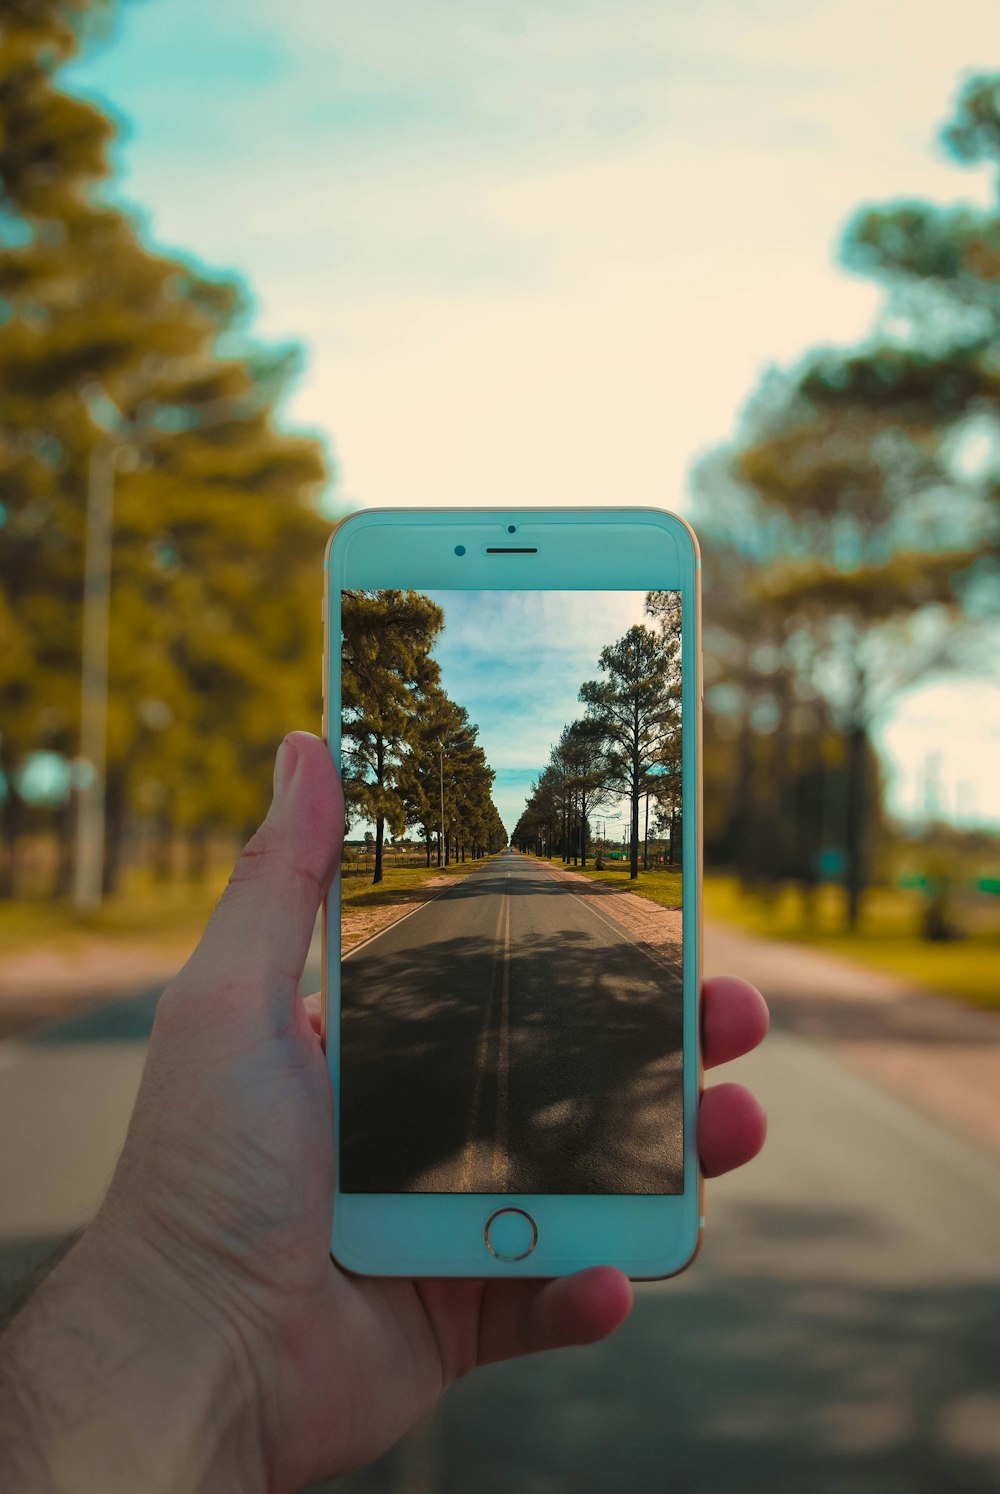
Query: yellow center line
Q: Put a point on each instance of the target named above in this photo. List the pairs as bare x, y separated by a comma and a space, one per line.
469, 1154
501, 1158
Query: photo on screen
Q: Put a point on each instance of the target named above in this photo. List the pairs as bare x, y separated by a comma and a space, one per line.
512, 771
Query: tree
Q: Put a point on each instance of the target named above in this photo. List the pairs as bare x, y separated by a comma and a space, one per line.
108, 352
666, 781
386, 669
636, 707
582, 759
868, 535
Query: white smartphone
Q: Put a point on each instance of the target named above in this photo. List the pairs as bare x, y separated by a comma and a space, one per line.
514, 701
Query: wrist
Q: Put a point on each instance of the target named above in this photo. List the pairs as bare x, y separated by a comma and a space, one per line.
117, 1376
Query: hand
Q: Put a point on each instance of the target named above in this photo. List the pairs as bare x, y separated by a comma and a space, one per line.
219, 1215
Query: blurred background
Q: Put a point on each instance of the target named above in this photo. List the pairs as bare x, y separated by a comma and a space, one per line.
263, 265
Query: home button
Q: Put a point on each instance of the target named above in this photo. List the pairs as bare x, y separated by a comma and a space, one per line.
510, 1234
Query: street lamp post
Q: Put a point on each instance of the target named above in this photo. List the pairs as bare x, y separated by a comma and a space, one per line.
441, 831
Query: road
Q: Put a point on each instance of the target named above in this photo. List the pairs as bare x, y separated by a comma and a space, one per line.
509, 1036
838, 1334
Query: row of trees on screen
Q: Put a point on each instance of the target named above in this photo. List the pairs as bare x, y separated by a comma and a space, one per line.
626, 746
408, 750
851, 535
117, 355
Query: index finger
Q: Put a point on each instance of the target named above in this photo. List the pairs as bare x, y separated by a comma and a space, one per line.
734, 1019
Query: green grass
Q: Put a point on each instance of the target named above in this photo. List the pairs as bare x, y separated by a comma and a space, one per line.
143, 912
357, 890
172, 914
887, 939
659, 884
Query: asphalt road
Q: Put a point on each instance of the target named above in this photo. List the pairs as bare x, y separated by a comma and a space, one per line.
838, 1334
510, 1037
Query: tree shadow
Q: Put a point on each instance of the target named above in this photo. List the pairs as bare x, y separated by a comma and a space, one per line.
726, 1381
582, 1094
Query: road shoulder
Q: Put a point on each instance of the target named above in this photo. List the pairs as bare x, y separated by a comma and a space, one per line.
939, 1055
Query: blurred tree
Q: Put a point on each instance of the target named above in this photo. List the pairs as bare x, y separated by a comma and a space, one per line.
855, 524
109, 350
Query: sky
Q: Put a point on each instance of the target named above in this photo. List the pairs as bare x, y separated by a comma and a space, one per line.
516, 660
543, 252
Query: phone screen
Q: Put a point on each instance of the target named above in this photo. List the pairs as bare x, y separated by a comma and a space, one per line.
519, 1027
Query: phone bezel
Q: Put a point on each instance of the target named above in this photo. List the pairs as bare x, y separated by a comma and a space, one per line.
634, 549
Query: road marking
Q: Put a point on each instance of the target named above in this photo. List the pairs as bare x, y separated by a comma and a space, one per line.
501, 1158
469, 1154
364, 943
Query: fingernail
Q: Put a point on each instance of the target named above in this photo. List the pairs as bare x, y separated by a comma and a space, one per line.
284, 766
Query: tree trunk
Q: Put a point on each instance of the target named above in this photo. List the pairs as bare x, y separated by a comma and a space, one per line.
62, 885
855, 827
633, 859
427, 845
115, 796
13, 821
162, 860
379, 840
197, 857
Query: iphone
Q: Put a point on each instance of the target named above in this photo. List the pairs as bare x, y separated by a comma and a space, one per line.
512, 945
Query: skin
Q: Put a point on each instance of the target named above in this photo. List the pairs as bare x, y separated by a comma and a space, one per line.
199, 1336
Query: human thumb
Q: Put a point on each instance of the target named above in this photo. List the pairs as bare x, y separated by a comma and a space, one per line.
256, 943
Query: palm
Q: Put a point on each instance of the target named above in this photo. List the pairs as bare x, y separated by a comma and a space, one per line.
235, 1174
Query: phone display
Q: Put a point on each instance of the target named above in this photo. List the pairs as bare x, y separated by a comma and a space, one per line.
514, 1035
513, 701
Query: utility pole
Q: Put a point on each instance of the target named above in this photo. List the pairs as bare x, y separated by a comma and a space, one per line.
645, 841
92, 767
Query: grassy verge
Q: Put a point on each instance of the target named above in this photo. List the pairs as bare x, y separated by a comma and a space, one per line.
173, 914
886, 940
658, 884
143, 912
398, 885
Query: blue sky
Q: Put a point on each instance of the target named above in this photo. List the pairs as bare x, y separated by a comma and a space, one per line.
516, 660
545, 250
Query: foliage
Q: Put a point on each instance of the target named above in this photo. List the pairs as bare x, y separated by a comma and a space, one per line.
628, 744
406, 746
109, 347
848, 538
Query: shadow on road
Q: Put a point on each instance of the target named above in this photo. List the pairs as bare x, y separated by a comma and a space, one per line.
730, 1384
127, 1021
594, 1064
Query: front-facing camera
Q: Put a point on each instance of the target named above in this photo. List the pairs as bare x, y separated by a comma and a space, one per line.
459, 549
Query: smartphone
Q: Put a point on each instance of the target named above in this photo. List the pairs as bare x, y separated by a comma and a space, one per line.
514, 701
